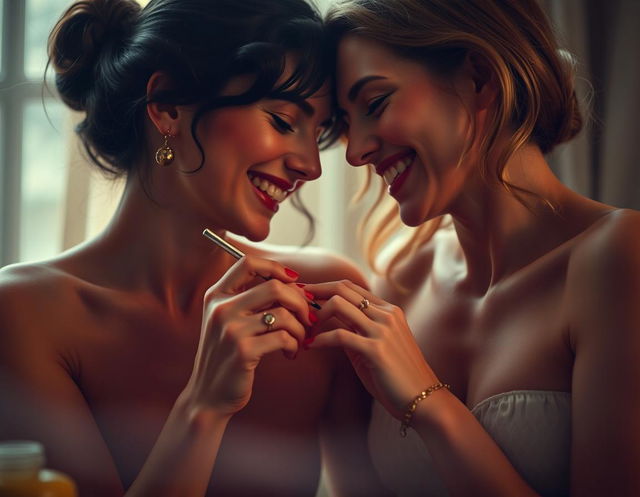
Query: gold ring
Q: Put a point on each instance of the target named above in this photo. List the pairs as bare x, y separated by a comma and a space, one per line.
268, 319
364, 303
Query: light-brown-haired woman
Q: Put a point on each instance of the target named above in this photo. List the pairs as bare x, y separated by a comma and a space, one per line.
514, 357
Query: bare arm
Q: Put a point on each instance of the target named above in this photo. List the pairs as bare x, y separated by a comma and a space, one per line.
605, 312
392, 367
45, 403
41, 401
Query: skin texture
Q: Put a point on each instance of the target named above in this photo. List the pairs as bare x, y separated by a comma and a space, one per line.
502, 298
140, 358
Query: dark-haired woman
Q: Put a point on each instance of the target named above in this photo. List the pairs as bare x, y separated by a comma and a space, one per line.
132, 355
513, 370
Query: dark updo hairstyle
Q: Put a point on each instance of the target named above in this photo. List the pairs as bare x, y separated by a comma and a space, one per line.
104, 52
536, 100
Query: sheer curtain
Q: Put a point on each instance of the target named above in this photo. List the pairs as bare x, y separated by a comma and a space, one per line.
602, 162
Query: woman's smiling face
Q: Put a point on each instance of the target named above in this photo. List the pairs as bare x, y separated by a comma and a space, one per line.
256, 155
410, 125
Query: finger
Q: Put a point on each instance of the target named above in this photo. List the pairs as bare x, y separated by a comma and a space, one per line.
366, 293
311, 298
276, 319
347, 289
327, 290
244, 272
348, 293
277, 340
341, 337
274, 293
350, 316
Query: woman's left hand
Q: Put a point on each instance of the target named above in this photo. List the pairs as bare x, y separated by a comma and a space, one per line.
378, 342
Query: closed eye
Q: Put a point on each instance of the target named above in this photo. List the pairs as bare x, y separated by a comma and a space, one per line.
280, 124
376, 103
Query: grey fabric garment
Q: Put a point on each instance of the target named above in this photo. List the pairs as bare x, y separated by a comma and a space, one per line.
532, 427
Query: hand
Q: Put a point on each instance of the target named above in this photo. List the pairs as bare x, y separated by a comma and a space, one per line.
378, 342
234, 336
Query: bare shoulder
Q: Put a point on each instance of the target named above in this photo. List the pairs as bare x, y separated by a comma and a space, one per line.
314, 264
603, 276
32, 281
610, 246
602, 292
33, 294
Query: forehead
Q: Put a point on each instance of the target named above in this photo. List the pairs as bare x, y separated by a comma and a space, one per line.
359, 57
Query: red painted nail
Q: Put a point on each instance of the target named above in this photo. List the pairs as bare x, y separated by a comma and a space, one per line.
312, 317
307, 342
309, 295
291, 273
301, 285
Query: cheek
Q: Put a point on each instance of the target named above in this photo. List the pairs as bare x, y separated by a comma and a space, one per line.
244, 135
437, 125
402, 122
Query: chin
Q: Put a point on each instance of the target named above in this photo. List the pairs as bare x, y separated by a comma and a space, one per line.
417, 213
254, 233
255, 237
410, 217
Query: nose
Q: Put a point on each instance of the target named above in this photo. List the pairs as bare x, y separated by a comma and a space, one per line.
361, 147
305, 162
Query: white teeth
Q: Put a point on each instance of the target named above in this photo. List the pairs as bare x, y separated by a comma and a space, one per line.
269, 188
391, 173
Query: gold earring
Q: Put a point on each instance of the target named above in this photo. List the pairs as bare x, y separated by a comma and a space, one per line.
165, 155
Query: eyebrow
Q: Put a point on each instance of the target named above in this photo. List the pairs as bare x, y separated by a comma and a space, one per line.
355, 89
306, 107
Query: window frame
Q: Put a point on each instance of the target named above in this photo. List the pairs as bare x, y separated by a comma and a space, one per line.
15, 91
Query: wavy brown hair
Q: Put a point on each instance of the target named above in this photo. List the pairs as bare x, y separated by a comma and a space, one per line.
536, 100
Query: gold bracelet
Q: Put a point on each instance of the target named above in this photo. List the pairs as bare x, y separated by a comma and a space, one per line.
408, 415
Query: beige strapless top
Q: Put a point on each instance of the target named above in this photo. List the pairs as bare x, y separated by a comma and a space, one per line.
532, 427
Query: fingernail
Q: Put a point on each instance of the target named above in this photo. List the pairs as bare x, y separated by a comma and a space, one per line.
291, 273
307, 342
301, 285
312, 317
309, 295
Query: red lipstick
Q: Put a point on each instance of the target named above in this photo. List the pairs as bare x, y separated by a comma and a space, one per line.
267, 201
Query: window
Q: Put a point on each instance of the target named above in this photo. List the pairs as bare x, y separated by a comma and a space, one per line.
32, 135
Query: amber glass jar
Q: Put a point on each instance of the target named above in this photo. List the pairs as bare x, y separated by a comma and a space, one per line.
22, 473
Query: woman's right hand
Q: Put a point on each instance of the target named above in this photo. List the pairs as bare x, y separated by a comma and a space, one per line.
378, 341
234, 337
